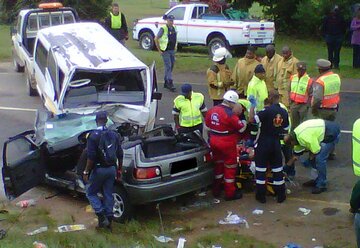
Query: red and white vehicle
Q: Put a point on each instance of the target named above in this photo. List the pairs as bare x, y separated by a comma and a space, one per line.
196, 27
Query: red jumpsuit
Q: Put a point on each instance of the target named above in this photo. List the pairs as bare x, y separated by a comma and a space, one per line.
224, 128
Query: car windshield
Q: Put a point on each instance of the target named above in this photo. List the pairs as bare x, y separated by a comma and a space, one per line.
88, 88
59, 128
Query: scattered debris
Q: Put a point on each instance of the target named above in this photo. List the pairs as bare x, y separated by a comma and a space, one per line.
201, 194
233, 219
89, 209
305, 211
258, 212
37, 231
272, 211
313, 239
330, 211
2, 233
216, 201
181, 243
216, 246
177, 229
257, 224
26, 203
288, 191
37, 244
163, 239
292, 245
70, 228
203, 229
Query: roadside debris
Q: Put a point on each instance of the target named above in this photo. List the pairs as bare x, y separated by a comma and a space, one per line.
26, 203
330, 211
257, 224
70, 228
177, 229
313, 239
201, 194
37, 231
163, 239
37, 244
181, 243
292, 245
216, 201
2, 233
305, 211
288, 191
89, 209
258, 212
233, 219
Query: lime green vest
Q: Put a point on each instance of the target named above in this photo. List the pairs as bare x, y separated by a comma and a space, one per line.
164, 39
331, 83
258, 89
246, 104
356, 147
190, 114
115, 21
309, 135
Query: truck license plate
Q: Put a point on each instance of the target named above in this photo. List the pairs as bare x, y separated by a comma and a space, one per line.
258, 41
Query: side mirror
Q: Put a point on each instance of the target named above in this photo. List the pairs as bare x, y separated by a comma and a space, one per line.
156, 96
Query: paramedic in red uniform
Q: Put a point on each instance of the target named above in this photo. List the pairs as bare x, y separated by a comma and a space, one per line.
224, 125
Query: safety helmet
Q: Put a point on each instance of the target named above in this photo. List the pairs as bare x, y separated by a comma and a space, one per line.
220, 54
231, 96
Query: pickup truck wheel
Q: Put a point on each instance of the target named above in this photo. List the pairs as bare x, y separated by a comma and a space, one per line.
122, 207
30, 90
17, 67
216, 43
146, 41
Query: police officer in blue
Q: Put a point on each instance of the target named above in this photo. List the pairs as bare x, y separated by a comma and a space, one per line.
272, 120
103, 153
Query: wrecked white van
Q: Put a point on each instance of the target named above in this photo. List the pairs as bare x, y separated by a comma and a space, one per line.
80, 68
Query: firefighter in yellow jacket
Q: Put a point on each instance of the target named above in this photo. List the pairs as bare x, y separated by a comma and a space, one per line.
271, 65
287, 67
244, 71
219, 76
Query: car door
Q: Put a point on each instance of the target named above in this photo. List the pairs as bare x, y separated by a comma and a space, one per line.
22, 165
155, 97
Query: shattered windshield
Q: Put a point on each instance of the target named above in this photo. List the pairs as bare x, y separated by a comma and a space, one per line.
88, 88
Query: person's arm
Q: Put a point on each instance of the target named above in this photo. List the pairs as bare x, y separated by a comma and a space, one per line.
203, 109
176, 114
119, 151
124, 26
212, 77
235, 77
355, 198
91, 157
228, 81
158, 36
318, 93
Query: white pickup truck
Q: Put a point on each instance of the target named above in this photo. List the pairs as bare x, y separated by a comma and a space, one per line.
196, 27
23, 35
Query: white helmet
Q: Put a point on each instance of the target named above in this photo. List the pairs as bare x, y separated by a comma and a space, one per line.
231, 96
220, 54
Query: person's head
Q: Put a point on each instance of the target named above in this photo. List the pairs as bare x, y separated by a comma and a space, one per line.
270, 51
220, 55
186, 90
286, 52
101, 118
250, 52
260, 72
290, 139
169, 20
231, 98
274, 97
301, 68
323, 65
115, 8
334, 11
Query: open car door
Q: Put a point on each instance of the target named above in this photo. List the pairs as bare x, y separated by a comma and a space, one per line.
155, 97
22, 165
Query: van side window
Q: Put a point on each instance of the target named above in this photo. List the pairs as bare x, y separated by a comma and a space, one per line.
32, 24
41, 56
44, 21
68, 18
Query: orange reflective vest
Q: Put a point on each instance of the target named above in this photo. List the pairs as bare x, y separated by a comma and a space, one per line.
331, 83
299, 88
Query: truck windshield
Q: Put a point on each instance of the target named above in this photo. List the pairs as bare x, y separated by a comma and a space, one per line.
98, 87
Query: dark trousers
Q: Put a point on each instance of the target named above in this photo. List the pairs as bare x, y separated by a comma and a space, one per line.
191, 129
217, 102
356, 56
334, 43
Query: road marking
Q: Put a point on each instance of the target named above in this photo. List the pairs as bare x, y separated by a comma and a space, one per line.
350, 91
17, 109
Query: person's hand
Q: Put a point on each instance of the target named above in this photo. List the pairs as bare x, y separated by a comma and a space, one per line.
252, 100
86, 178
126, 37
237, 109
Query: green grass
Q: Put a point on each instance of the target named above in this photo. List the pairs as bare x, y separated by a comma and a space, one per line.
5, 43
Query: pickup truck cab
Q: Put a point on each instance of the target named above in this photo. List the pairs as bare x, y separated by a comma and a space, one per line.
29, 22
196, 27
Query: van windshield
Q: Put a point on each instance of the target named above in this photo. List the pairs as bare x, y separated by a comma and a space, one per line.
88, 88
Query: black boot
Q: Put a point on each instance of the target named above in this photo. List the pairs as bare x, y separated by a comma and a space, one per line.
166, 84
280, 193
238, 195
103, 221
171, 86
260, 193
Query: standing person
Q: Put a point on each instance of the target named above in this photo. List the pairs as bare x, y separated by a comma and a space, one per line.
116, 25
319, 138
273, 120
300, 84
224, 126
103, 153
244, 70
287, 67
189, 110
271, 64
219, 76
355, 39
257, 87
166, 42
334, 28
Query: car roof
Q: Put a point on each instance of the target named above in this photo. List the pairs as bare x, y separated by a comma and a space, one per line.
87, 45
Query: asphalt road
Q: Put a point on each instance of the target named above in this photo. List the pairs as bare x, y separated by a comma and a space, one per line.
17, 114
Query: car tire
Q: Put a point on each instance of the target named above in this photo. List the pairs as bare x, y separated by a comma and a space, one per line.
146, 41
123, 210
17, 67
30, 90
215, 43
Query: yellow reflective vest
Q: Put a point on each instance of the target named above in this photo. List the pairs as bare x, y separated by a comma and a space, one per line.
164, 39
115, 21
356, 147
309, 135
257, 88
190, 113
299, 88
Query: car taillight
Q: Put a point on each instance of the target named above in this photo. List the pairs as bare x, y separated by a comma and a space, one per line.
208, 157
147, 173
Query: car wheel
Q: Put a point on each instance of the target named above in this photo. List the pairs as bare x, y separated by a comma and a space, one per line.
17, 67
30, 90
146, 41
216, 43
122, 208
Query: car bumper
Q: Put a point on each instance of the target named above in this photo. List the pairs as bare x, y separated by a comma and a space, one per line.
141, 194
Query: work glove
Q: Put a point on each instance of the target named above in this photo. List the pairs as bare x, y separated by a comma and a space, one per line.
252, 100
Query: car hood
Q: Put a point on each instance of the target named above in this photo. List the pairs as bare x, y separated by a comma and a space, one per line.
152, 20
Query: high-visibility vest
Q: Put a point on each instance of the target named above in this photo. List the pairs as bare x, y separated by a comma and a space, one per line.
331, 83
246, 105
115, 21
190, 113
310, 134
164, 39
299, 88
356, 147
